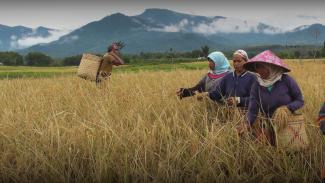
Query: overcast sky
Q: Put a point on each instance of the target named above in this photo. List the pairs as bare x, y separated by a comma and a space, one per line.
71, 14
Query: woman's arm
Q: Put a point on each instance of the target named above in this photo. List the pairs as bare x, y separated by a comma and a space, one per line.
253, 103
200, 86
218, 93
296, 95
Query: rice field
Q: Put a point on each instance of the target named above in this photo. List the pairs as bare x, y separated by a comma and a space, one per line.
12, 72
134, 129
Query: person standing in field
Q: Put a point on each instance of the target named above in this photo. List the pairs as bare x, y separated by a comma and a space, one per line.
274, 93
219, 66
321, 122
112, 57
234, 89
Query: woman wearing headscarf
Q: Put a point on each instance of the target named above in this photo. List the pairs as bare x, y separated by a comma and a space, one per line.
219, 67
274, 91
234, 89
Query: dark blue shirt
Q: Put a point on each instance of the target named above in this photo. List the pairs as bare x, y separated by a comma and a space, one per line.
234, 86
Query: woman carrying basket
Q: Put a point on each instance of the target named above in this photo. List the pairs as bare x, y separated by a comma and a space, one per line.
112, 57
274, 94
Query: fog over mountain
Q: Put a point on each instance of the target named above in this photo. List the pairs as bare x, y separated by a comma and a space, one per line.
157, 30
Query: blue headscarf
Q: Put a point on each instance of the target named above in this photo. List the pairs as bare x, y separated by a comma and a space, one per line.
220, 61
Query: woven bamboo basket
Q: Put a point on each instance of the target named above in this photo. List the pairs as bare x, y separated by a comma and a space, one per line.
89, 66
293, 137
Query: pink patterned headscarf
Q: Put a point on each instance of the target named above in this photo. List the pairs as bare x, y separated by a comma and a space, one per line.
270, 58
242, 53
274, 64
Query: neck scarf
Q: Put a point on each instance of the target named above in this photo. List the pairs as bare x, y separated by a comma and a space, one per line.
275, 75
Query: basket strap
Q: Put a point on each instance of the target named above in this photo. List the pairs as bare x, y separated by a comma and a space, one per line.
98, 70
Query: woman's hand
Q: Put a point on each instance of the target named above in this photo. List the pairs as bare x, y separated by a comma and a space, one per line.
280, 117
231, 101
179, 92
184, 92
243, 127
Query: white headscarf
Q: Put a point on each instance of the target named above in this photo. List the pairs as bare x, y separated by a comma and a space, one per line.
275, 75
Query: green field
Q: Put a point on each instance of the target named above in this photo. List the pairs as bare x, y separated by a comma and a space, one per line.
9, 72
36, 72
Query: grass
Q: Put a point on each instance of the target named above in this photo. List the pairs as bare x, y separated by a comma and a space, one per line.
10, 72
134, 129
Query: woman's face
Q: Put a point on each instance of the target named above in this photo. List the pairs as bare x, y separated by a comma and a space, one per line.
116, 51
262, 70
238, 62
211, 64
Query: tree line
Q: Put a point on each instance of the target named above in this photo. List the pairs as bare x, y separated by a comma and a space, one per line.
41, 59
36, 59
170, 56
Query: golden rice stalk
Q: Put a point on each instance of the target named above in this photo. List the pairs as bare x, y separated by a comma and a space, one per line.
281, 117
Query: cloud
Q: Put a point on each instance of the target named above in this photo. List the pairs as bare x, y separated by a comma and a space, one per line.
308, 17
220, 25
13, 37
181, 26
31, 39
290, 21
232, 25
67, 39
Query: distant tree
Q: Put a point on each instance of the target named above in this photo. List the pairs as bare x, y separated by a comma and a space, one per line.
171, 54
310, 54
315, 33
297, 54
11, 58
73, 60
196, 53
205, 50
127, 59
283, 55
322, 53
141, 54
317, 54
324, 45
38, 59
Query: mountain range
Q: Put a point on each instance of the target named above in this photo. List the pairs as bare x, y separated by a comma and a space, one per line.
159, 30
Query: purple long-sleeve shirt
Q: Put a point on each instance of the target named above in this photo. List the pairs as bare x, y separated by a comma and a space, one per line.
234, 86
284, 92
